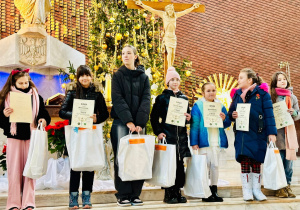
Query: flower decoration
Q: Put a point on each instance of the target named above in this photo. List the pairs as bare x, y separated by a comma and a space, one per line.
257, 96
3, 158
4, 148
56, 136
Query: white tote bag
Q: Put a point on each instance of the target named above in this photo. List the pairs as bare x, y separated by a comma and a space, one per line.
85, 148
273, 173
37, 159
196, 181
164, 165
135, 157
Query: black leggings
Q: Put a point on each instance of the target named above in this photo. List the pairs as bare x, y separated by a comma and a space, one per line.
87, 180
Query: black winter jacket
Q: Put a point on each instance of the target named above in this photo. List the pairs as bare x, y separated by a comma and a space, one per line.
174, 134
23, 129
90, 93
131, 96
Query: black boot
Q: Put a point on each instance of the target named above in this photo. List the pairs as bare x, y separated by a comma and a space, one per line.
210, 198
180, 198
170, 196
214, 191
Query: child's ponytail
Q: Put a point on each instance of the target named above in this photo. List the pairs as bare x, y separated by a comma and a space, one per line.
255, 77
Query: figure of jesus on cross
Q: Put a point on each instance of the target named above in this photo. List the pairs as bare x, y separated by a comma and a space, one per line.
169, 17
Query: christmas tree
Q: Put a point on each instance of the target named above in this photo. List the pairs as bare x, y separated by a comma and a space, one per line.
112, 26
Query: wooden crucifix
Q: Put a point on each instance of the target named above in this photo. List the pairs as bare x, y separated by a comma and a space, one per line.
169, 12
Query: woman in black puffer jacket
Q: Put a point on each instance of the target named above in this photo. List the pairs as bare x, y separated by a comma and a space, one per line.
131, 107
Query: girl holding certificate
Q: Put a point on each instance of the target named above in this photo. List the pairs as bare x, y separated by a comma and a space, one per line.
210, 140
174, 134
20, 188
251, 145
131, 107
83, 89
286, 138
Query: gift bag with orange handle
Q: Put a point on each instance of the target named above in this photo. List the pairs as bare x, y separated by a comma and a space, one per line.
164, 165
135, 157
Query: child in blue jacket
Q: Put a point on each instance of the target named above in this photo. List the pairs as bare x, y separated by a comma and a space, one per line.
250, 146
209, 140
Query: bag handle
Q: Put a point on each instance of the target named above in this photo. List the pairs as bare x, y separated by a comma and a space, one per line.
272, 144
162, 141
40, 127
196, 152
130, 134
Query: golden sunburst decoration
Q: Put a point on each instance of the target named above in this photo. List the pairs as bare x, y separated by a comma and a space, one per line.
223, 84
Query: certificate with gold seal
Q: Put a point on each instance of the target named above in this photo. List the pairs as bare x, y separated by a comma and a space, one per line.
176, 110
82, 112
211, 112
282, 117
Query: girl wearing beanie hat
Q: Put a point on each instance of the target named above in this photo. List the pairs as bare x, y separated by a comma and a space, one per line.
174, 134
171, 73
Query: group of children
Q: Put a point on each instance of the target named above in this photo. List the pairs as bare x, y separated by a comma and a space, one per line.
131, 109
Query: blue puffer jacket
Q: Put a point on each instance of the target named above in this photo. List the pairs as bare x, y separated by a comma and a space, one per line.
198, 134
253, 143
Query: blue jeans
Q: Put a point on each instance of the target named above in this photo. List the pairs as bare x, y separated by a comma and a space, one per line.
288, 166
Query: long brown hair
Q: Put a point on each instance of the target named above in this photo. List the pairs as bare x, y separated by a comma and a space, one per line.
137, 60
274, 80
11, 81
253, 75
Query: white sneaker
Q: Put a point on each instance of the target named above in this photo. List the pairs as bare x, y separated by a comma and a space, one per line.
247, 186
136, 201
258, 195
123, 202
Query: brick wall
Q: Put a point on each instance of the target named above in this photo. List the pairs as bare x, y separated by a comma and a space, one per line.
67, 21
234, 34
230, 35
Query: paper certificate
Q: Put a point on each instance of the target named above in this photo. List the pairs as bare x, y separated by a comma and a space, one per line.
82, 112
282, 117
242, 122
177, 108
22, 106
211, 112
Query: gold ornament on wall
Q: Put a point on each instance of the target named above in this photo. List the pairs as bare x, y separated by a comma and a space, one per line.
126, 34
118, 36
104, 46
286, 65
112, 20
